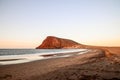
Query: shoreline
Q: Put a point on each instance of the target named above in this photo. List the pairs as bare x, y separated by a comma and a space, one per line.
92, 65
18, 59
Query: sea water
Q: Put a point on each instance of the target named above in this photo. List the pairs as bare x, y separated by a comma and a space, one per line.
16, 56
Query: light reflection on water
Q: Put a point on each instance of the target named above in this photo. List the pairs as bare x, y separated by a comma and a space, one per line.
35, 54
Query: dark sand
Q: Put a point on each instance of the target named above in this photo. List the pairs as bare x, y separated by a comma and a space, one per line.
94, 65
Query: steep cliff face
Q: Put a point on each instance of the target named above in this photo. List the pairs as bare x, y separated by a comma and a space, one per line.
52, 42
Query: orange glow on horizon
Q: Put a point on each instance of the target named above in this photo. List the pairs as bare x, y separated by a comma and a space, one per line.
32, 44
17, 44
111, 43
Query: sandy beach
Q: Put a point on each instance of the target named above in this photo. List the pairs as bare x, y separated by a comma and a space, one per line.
94, 65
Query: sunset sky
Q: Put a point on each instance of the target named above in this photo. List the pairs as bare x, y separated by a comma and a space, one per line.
25, 23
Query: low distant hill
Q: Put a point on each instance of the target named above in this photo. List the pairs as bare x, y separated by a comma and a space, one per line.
52, 42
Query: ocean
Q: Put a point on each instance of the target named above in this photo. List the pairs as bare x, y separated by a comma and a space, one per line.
17, 56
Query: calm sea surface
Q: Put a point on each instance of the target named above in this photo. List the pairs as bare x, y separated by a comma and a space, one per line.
17, 56
35, 51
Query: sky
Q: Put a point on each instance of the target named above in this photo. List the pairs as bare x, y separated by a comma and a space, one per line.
26, 23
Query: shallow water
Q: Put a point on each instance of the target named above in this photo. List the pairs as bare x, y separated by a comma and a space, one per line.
16, 56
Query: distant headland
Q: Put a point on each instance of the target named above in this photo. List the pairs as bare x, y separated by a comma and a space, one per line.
52, 42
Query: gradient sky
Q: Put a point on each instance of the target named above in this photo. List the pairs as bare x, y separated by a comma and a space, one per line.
25, 23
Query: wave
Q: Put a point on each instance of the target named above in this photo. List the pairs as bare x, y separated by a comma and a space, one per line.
17, 59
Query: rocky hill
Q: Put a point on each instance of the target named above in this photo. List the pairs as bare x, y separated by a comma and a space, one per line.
52, 42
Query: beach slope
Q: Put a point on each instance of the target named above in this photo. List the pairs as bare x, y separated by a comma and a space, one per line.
93, 65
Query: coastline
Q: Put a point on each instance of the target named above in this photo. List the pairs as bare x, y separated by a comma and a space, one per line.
17, 59
92, 65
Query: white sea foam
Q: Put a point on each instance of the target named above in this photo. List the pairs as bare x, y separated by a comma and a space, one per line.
16, 59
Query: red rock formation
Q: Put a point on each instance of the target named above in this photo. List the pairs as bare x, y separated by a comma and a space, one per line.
52, 42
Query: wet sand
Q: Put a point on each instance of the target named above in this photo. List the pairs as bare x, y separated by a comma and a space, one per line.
97, 64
